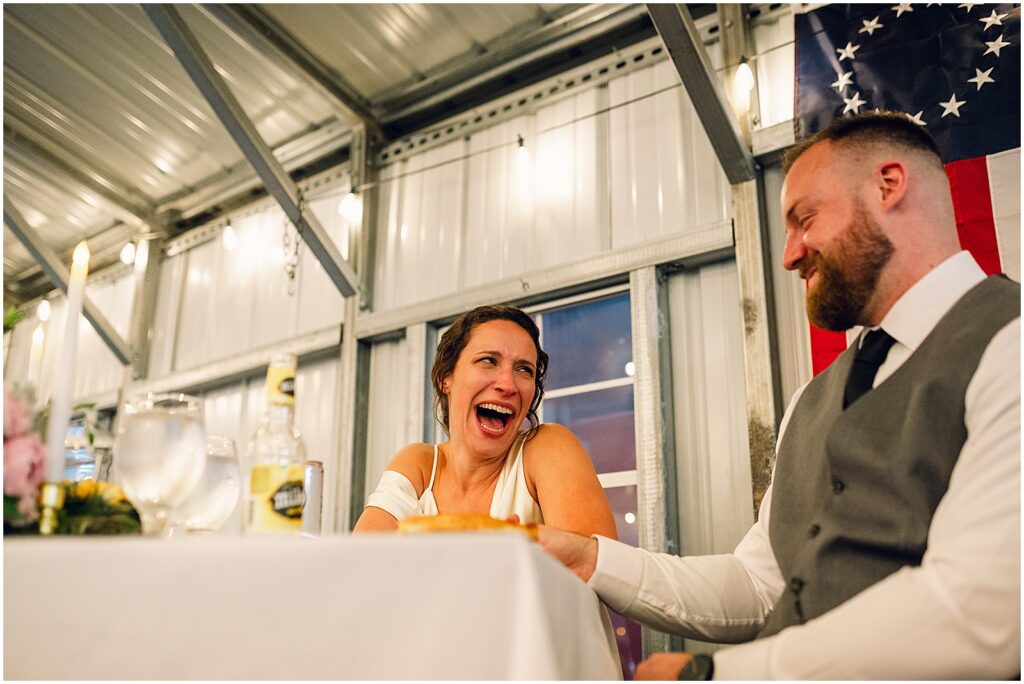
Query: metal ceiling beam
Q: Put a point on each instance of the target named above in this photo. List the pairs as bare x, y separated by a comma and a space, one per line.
16, 134
199, 67
682, 40
256, 26
58, 273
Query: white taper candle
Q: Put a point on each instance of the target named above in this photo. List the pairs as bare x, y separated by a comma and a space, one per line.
60, 404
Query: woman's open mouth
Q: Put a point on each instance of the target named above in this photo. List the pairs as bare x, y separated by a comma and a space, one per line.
493, 419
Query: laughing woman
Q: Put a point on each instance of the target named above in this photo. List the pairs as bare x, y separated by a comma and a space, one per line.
488, 379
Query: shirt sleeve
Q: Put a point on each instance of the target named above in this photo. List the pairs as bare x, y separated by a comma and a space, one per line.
396, 495
724, 598
957, 615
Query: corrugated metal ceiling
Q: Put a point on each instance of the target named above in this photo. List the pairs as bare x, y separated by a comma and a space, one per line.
104, 133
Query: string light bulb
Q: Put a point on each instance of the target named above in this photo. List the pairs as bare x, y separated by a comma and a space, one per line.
228, 238
351, 208
128, 253
742, 85
43, 310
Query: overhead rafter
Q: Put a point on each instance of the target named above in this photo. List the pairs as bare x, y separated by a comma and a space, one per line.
199, 67
58, 273
682, 40
132, 212
255, 25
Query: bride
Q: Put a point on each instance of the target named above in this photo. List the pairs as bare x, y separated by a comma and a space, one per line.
488, 379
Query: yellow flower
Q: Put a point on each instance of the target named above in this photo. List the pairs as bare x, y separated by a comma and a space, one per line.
111, 493
84, 489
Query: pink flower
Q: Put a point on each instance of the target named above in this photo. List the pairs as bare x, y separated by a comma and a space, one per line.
17, 419
24, 465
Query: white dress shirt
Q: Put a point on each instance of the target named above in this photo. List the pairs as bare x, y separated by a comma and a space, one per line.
957, 615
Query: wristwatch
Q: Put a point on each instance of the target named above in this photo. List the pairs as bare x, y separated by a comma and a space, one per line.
701, 667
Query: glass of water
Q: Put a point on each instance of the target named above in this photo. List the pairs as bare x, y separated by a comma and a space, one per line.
213, 501
159, 454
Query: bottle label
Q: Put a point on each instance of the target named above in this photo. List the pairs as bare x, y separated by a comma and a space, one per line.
281, 386
277, 497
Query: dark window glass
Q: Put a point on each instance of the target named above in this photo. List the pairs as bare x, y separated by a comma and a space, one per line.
588, 342
627, 633
603, 421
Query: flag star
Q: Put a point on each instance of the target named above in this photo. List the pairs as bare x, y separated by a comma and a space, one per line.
993, 19
996, 45
901, 8
967, 6
916, 118
952, 106
853, 103
847, 52
870, 26
982, 77
845, 79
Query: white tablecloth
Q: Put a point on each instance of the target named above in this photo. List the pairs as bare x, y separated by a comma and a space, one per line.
488, 606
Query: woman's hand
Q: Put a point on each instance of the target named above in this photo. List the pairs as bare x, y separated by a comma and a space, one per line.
577, 553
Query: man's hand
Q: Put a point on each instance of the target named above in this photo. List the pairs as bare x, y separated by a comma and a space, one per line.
577, 553
662, 666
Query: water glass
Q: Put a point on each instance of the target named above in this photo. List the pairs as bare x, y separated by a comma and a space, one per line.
159, 454
214, 499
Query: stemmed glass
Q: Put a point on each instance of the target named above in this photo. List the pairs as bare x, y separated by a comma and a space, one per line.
159, 454
214, 499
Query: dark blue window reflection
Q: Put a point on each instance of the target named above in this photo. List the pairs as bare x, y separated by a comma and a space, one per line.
589, 342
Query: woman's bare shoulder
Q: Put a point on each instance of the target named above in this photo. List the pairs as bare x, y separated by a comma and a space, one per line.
414, 461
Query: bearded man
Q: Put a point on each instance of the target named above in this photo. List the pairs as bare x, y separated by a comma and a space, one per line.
888, 545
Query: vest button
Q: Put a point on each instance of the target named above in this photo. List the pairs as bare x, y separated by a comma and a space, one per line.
813, 531
796, 584
838, 486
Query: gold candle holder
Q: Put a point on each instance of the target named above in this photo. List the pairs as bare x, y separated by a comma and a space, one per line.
51, 498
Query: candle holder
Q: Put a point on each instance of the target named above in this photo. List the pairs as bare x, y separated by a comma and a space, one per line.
51, 498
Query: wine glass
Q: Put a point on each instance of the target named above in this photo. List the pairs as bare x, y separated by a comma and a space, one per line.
159, 454
214, 499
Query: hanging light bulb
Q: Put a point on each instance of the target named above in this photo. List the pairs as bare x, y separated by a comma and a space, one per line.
742, 85
128, 253
351, 208
228, 238
43, 311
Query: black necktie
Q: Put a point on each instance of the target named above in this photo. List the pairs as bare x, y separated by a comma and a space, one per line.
865, 364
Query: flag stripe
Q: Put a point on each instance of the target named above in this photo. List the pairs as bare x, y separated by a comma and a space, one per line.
972, 205
1004, 179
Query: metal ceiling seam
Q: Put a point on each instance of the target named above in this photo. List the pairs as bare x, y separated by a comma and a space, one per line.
201, 70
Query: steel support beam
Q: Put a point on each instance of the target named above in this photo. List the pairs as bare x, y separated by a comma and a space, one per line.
148, 255
127, 210
58, 273
255, 25
201, 70
683, 42
655, 458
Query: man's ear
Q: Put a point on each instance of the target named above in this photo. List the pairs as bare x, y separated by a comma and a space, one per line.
892, 178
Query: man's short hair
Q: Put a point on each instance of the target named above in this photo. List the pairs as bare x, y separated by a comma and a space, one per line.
894, 129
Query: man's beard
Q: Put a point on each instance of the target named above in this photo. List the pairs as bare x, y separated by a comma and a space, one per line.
846, 282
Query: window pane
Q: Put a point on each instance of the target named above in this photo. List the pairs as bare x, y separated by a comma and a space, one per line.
627, 633
588, 342
603, 421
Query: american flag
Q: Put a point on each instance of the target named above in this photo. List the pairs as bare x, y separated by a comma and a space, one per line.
954, 69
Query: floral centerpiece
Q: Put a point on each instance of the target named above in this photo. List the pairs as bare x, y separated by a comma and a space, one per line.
89, 507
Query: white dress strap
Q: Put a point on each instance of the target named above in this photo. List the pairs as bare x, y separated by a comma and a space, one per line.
433, 469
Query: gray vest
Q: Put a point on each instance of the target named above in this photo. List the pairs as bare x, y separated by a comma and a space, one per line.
855, 490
